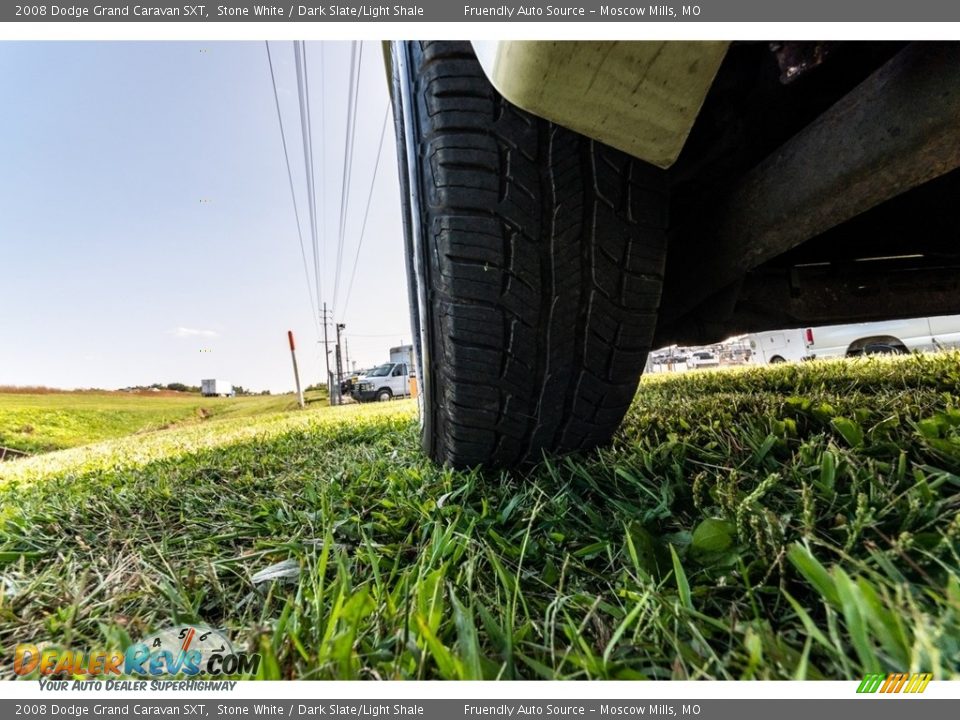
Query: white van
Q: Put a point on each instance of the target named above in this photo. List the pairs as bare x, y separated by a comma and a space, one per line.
888, 336
384, 382
778, 346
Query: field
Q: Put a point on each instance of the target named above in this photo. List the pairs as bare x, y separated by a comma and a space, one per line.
800, 521
40, 422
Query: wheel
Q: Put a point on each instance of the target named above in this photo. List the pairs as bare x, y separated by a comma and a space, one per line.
535, 261
884, 345
384, 395
776, 360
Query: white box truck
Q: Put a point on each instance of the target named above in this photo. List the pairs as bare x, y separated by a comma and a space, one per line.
216, 388
390, 380
402, 353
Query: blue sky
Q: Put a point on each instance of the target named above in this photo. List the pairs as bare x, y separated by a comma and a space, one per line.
145, 214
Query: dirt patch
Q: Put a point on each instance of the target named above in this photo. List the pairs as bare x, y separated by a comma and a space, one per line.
11, 454
155, 393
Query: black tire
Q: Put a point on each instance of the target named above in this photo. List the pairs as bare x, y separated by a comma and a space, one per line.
776, 360
384, 395
535, 258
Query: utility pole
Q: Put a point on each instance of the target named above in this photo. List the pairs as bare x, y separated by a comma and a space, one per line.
326, 355
346, 352
296, 373
339, 327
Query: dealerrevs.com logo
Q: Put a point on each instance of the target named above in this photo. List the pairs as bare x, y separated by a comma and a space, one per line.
188, 650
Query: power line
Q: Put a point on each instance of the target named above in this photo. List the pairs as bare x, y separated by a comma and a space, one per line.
321, 223
293, 195
306, 135
318, 239
381, 335
366, 212
356, 61
347, 166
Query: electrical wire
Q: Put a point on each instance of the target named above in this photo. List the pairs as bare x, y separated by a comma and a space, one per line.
356, 63
321, 222
306, 135
366, 212
318, 237
381, 335
293, 194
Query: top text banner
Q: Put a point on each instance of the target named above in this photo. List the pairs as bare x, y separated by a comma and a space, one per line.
738, 11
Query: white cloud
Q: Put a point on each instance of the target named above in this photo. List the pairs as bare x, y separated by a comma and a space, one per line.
184, 332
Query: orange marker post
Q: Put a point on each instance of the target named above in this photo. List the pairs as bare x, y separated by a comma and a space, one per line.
296, 372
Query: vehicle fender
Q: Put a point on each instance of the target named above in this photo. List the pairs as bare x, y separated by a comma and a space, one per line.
641, 97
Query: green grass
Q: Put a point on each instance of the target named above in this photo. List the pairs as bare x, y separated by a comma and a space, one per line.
791, 522
35, 423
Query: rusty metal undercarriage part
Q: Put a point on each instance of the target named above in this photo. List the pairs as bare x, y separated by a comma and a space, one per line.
824, 295
796, 59
897, 130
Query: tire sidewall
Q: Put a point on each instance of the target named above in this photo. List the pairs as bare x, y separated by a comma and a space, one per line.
402, 96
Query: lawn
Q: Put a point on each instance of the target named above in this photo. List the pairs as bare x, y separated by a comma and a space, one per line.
41, 422
799, 521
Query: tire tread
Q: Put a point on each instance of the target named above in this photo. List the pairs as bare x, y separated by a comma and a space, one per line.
544, 255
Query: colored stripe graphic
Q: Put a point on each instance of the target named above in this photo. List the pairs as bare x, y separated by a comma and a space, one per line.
870, 683
894, 683
923, 679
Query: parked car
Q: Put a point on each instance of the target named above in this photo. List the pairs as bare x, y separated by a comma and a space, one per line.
670, 358
801, 184
702, 359
348, 384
